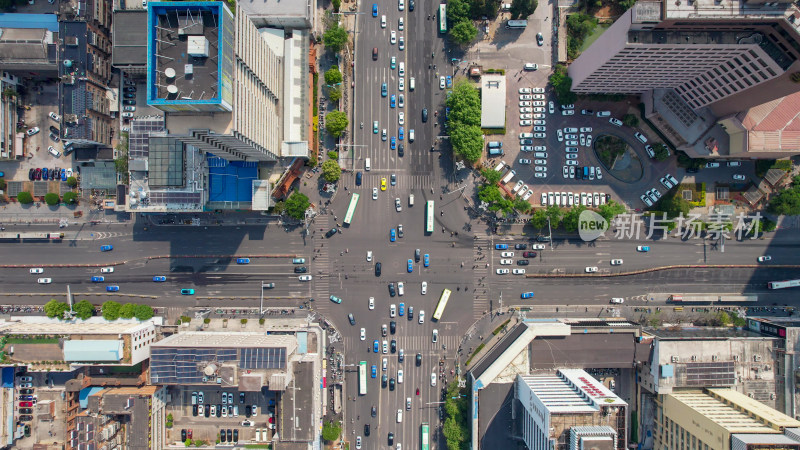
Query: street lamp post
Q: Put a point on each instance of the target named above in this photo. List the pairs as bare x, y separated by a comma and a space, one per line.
550, 230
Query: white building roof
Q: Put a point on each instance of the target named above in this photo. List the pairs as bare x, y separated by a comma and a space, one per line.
493, 101
571, 391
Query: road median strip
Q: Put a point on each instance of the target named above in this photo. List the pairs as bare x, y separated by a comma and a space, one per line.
657, 269
119, 263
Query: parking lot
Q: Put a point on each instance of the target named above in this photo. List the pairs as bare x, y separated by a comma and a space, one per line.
207, 414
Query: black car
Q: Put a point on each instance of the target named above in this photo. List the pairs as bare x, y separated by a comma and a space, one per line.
241, 397
32, 174
521, 247
230, 435
394, 345
411, 5
391, 439
30, 410
248, 411
393, 327
523, 262
25, 418
331, 232
219, 410
208, 411
400, 150
54, 137
377, 269
183, 435
384, 379
424, 114
235, 435
419, 359
222, 437
374, 411
300, 269
416, 255
129, 102
358, 178
129, 95
130, 89
391, 384
351, 319
529, 254
194, 410
410, 312
392, 292
366, 429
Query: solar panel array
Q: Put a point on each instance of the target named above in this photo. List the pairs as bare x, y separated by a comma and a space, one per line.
141, 129
710, 374
186, 365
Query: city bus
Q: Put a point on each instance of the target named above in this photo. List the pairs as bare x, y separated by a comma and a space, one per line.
351, 209
442, 304
783, 284
442, 18
31, 236
362, 378
711, 299
429, 217
424, 432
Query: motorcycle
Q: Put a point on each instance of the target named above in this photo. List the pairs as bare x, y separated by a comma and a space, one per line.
417, 391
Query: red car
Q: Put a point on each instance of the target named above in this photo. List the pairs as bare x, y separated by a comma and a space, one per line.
529, 255
189, 433
25, 404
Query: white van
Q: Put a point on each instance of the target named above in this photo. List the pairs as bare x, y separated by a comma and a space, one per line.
411, 135
411, 84
367, 164
500, 166
410, 199
509, 176
400, 288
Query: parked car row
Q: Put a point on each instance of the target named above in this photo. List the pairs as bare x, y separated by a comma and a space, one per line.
43, 173
574, 199
27, 398
650, 197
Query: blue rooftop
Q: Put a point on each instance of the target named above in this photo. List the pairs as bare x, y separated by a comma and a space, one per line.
86, 351
230, 181
15, 20
83, 401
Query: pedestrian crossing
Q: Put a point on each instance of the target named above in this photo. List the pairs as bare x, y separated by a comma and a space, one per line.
481, 251
411, 344
321, 262
404, 181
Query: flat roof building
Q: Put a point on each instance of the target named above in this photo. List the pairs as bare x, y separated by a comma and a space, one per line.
493, 101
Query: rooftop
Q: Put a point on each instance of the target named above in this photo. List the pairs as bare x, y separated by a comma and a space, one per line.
773, 126
733, 411
711, 9
130, 44
570, 391
277, 8
44, 325
193, 339
692, 333
493, 101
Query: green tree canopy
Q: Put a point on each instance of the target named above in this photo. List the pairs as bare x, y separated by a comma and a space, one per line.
51, 198
463, 32
55, 309
554, 213
70, 197
111, 310
562, 85
467, 141
610, 210
464, 104
336, 122
25, 198
297, 204
335, 38
630, 120
570, 220
674, 205
492, 176
336, 5
127, 311
333, 76
330, 171
331, 431
539, 218
83, 309
72, 182
786, 202
457, 11
335, 93
143, 312
661, 151
521, 205
521, 9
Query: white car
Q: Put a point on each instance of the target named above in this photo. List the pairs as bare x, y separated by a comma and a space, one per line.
363, 334
764, 258
646, 200
589, 140
433, 378
538, 103
441, 82
397, 205
525, 103
537, 246
598, 173
401, 43
401, 118
540, 122
421, 319
392, 310
37, 270
739, 177
424, 287
401, 100
305, 278
524, 90
551, 107
372, 303
369, 255
566, 172
383, 21
393, 38
400, 24
526, 97
591, 269
44, 280
502, 271
616, 262
544, 199
518, 271
572, 156
384, 347
506, 262
527, 195
583, 140
374, 193
526, 116
401, 69
617, 300
568, 112
540, 162
107, 270
538, 90
539, 109
526, 110
507, 254
401, 5
525, 123
401, 84
540, 175
586, 129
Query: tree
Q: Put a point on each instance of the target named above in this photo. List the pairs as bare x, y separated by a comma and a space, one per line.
2, 184
539, 218
467, 141
70, 198
630, 120
610, 210
674, 205
521, 9
492, 176
111, 310
127, 311
457, 11
335, 38
83, 309
463, 33
661, 151
51, 199
72, 182
25, 198
521, 205
767, 225
331, 431
335, 93
336, 122
297, 204
55, 309
490, 193
453, 434
562, 85
188, 442
786, 202
464, 104
336, 5
330, 171
570, 220
333, 76
554, 213
143, 312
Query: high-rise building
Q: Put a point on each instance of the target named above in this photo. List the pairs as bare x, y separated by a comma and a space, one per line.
700, 65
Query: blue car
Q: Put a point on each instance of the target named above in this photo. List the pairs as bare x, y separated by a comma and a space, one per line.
44, 173
187, 291
401, 133
501, 247
106, 248
374, 10
392, 101
401, 309
384, 92
426, 260
63, 174
159, 278
449, 81
374, 371
410, 265
112, 288
394, 143
242, 260
98, 279
392, 235
527, 295
358, 178
376, 346
643, 248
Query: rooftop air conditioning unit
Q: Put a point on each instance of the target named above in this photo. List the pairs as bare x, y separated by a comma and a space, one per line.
757, 358
675, 359
694, 357
714, 357
735, 357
